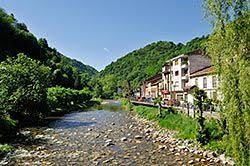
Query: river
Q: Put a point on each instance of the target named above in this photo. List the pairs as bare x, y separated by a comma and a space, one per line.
95, 137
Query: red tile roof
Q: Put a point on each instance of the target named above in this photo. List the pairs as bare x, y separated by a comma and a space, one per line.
205, 71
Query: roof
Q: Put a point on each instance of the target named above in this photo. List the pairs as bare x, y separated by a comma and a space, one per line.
205, 71
154, 78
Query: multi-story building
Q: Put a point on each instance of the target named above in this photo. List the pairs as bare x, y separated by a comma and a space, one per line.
176, 74
181, 74
151, 87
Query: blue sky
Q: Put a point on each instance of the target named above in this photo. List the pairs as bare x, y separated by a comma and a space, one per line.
98, 32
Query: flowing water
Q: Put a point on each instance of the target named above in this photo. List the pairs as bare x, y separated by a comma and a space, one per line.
94, 137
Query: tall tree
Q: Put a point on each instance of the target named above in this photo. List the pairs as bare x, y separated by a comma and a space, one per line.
229, 48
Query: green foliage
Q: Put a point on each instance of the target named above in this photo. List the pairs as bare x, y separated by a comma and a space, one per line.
126, 104
7, 127
23, 88
185, 126
229, 48
109, 86
96, 86
201, 101
60, 98
15, 38
4, 149
143, 63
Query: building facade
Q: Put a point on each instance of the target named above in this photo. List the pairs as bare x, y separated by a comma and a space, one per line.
177, 71
207, 80
179, 75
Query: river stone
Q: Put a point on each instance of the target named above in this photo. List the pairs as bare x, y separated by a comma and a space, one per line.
191, 162
109, 144
108, 140
138, 137
124, 139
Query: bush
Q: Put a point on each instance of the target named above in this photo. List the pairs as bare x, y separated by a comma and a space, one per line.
4, 149
7, 127
67, 99
23, 88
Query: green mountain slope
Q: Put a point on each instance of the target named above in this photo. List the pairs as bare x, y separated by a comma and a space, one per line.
145, 62
15, 38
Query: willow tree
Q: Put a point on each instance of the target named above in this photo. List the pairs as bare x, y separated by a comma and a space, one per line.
228, 46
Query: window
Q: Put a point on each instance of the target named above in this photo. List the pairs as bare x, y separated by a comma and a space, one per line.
214, 96
176, 83
196, 82
214, 81
176, 73
204, 82
176, 62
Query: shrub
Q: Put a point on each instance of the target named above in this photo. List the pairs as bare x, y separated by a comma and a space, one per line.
23, 88
67, 99
7, 127
4, 149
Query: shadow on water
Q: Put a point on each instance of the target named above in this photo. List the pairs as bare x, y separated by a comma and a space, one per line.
71, 124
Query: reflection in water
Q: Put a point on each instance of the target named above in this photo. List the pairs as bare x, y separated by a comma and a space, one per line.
110, 106
66, 124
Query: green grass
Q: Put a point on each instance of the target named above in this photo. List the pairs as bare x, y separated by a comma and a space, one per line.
186, 126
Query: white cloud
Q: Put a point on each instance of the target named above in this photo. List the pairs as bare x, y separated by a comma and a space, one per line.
105, 49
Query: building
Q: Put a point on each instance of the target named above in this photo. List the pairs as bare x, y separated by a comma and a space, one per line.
205, 79
151, 87
179, 76
177, 71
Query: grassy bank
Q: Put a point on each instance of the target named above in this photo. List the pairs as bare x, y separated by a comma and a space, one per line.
186, 127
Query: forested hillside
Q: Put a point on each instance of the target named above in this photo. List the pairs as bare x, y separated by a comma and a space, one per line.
145, 62
15, 38
36, 80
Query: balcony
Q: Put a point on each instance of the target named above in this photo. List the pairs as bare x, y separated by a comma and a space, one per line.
184, 77
166, 69
184, 66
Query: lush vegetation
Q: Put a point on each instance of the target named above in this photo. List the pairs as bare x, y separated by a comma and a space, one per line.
133, 68
228, 46
186, 127
15, 38
61, 99
36, 80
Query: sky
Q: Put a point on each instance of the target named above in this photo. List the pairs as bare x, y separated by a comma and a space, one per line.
97, 32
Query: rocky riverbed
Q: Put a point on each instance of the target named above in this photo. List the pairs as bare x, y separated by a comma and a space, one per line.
104, 137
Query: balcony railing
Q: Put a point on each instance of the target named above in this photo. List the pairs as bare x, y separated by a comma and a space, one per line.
184, 65
184, 77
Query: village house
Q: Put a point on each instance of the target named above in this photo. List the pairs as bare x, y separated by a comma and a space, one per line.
205, 79
177, 71
179, 76
151, 87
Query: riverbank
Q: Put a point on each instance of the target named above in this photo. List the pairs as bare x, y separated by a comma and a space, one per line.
183, 131
102, 137
11, 143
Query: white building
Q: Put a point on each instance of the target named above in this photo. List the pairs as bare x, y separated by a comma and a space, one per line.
205, 79
176, 74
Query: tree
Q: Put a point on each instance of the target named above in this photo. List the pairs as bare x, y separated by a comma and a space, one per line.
158, 100
200, 101
229, 48
23, 88
109, 84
